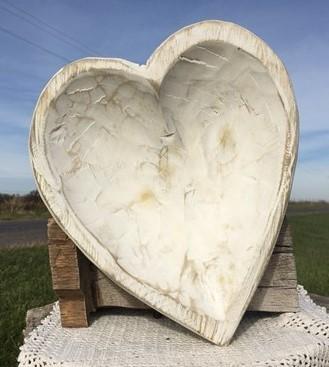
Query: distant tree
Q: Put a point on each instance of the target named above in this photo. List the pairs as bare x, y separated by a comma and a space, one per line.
13, 204
4, 198
33, 201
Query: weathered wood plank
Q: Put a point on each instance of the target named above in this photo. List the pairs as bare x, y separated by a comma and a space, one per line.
280, 249
284, 238
63, 257
109, 294
274, 299
71, 278
280, 271
73, 308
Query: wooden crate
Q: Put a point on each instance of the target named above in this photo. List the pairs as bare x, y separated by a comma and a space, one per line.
82, 288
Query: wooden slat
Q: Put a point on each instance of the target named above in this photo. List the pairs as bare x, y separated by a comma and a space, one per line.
275, 299
73, 309
280, 249
280, 271
284, 238
63, 257
109, 294
279, 297
71, 278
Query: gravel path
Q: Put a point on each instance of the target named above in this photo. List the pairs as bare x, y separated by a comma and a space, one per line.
23, 232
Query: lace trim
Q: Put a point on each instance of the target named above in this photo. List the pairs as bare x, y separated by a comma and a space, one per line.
135, 338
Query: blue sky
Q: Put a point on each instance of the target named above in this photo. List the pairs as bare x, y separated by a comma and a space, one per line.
297, 30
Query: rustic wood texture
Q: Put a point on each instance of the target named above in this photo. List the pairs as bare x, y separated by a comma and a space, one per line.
83, 288
277, 290
71, 278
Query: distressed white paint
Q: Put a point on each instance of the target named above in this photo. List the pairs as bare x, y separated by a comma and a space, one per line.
173, 177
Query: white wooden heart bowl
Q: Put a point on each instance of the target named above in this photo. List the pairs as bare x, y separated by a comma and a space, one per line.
173, 177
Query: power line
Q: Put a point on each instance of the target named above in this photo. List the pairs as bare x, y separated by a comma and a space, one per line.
40, 27
6, 69
64, 37
53, 34
31, 43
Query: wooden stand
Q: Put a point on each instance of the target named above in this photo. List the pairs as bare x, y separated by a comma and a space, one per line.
82, 288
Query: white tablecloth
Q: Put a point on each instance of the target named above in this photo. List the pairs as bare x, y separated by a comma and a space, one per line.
136, 338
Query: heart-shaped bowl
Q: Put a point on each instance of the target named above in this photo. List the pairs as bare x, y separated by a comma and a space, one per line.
173, 177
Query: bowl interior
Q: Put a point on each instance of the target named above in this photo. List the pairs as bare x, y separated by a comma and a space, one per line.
174, 182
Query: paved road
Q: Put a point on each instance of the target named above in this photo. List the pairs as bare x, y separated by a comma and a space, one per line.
27, 232
24, 232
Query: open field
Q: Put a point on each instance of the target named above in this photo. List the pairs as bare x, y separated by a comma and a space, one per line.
22, 214
308, 206
311, 244
29, 206
25, 278
24, 283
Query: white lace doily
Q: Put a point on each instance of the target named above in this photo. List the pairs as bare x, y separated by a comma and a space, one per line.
136, 338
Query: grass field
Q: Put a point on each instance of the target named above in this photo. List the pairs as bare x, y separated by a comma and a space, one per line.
29, 206
311, 244
24, 283
25, 278
35, 214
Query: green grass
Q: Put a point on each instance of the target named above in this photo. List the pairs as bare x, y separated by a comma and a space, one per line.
24, 283
23, 214
25, 278
311, 246
41, 212
308, 206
